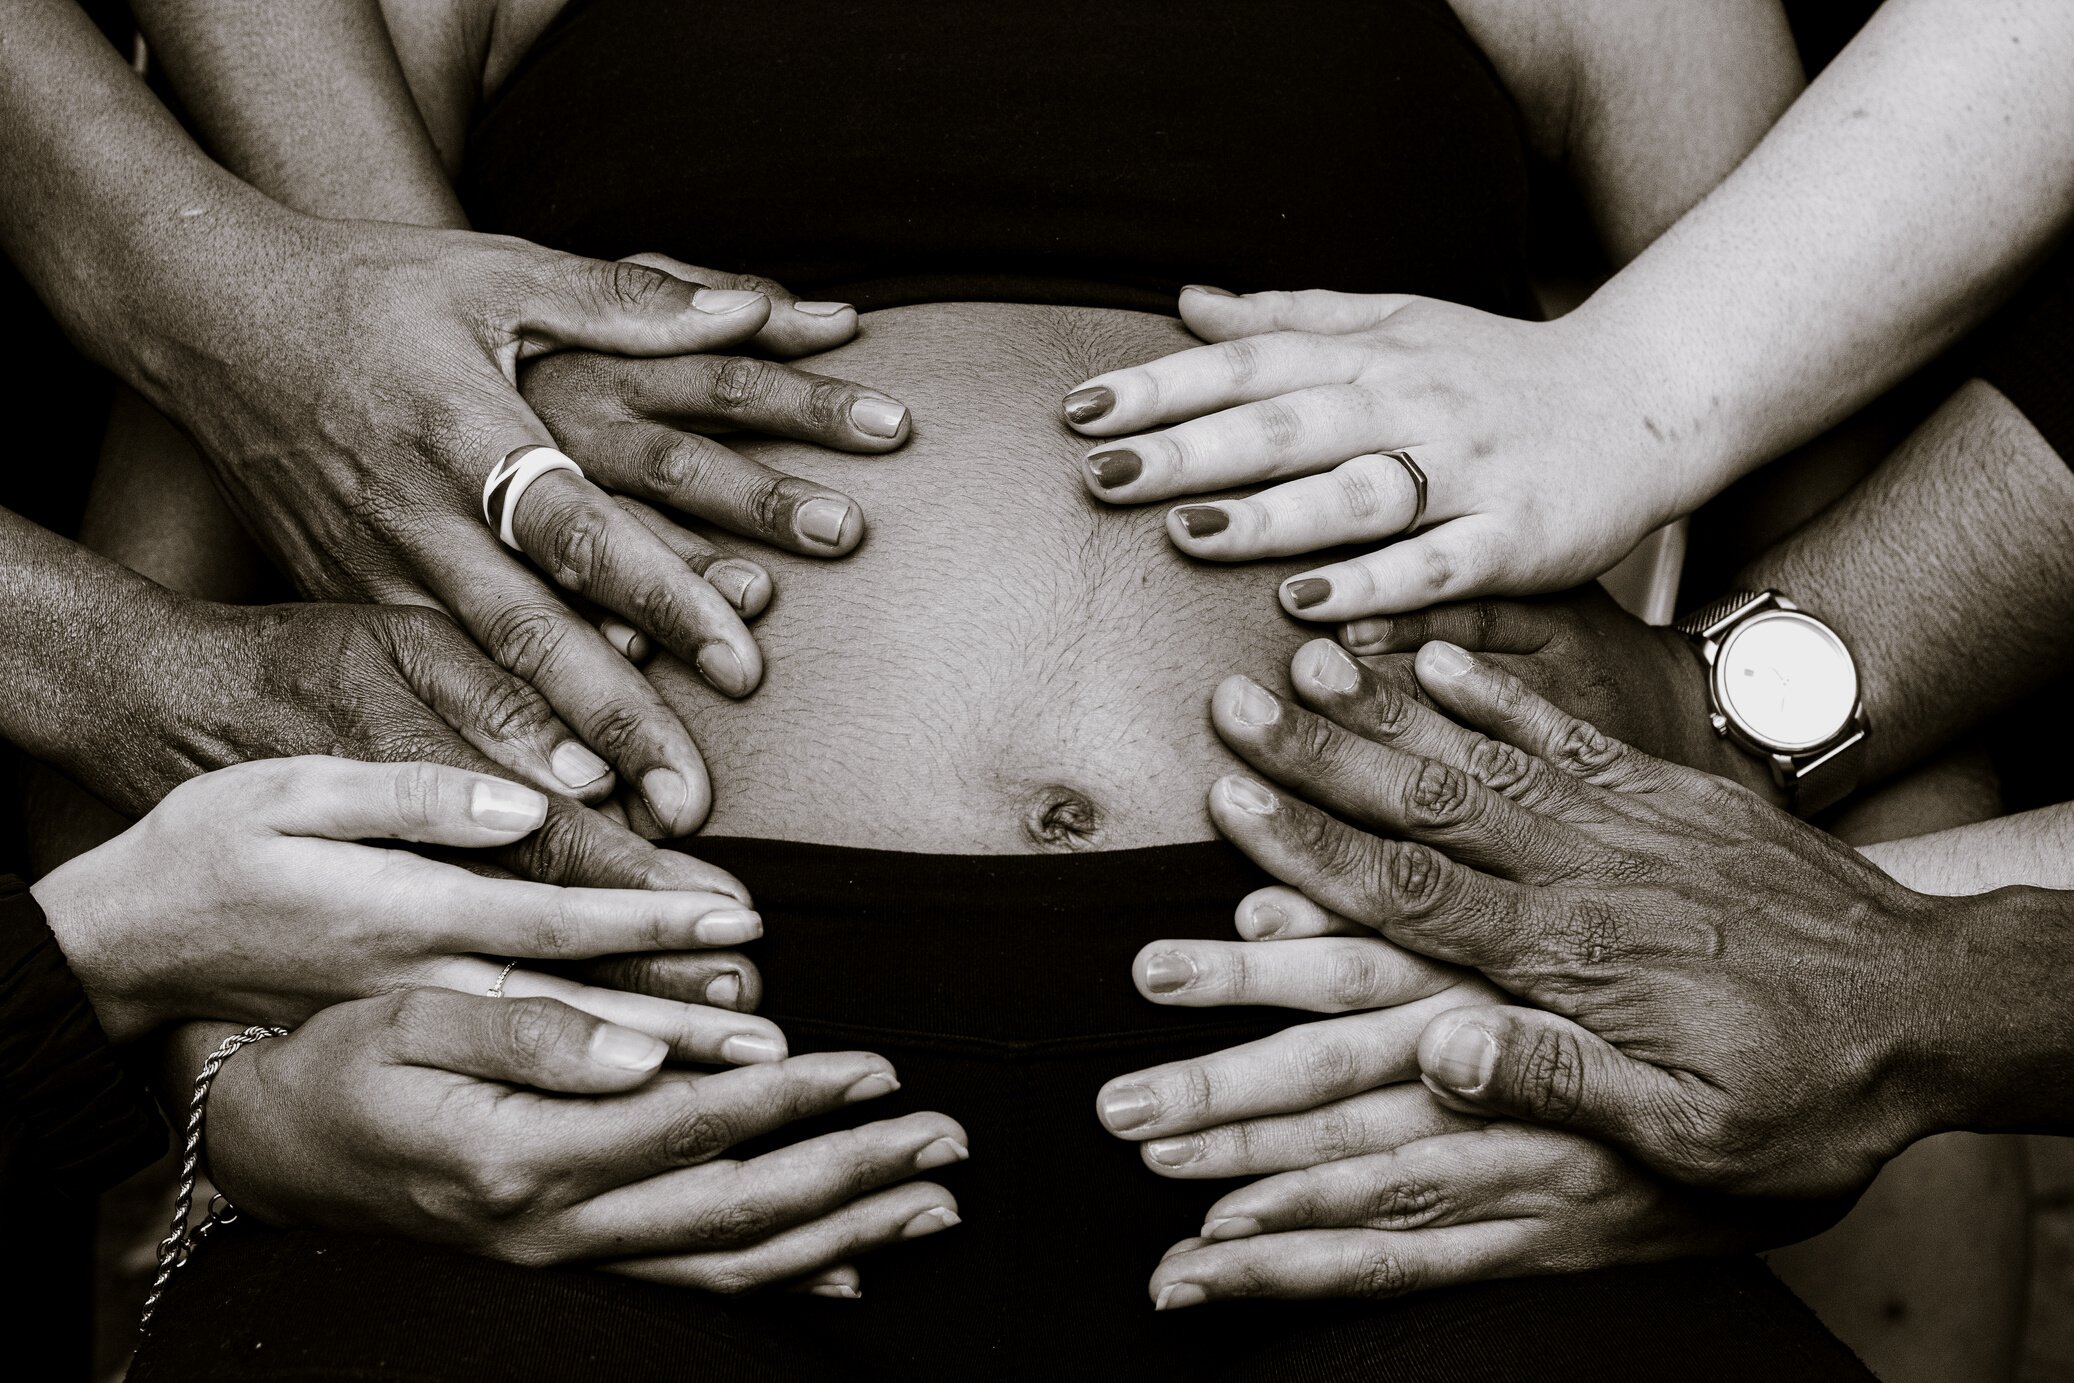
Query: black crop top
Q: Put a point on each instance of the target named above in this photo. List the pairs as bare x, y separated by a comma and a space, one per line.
1059, 151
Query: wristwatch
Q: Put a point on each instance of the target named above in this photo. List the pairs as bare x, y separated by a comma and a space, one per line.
1783, 687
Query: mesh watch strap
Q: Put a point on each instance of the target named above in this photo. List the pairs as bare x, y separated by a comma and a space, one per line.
1705, 620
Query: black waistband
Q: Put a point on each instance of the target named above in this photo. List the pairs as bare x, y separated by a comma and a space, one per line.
1002, 948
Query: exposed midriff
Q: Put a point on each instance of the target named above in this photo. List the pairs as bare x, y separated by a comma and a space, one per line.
1004, 664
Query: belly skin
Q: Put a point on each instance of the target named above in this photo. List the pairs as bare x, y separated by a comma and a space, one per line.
1004, 665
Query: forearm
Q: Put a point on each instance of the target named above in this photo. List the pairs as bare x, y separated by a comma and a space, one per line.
2034, 848
1949, 573
307, 102
1912, 185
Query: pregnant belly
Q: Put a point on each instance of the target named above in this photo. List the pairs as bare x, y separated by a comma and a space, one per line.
1004, 665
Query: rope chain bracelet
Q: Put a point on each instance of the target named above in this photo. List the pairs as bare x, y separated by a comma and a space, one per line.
179, 1244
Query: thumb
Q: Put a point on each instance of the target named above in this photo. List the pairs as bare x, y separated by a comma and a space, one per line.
1215, 315
1541, 1068
531, 1042
344, 799
629, 309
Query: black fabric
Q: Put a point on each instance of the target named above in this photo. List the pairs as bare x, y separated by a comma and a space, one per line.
1067, 151
999, 988
75, 1120
2032, 360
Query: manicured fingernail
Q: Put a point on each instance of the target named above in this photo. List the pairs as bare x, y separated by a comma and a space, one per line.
1365, 635
1465, 1058
1128, 1106
1231, 1227
1176, 1295
1174, 1152
878, 417
822, 520
503, 806
728, 928
623, 1049
735, 581
1252, 705
722, 666
724, 991
1113, 468
821, 309
842, 1290
1311, 590
942, 1153
1207, 288
667, 795
1169, 971
575, 766
1086, 405
1203, 520
1446, 660
721, 301
929, 1222
872, 1087
1327, 665
1268, 920
1248, 796
751, 1049
631, 642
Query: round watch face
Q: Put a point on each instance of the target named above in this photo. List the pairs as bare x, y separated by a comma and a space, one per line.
1785, 680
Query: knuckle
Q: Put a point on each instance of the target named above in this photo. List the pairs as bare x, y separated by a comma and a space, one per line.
1438, 569
1379, 1273
1586, 750
535, 1029
1585, 936
576, 548
743, 382
633, 285
528, 637
504, 709
675, 464
554, 932
1243, 359
1501, 767
1440, 796
738, 1219
492, 1189
1352, 978
1390, 711
1334, 1135
729, 1279
1551, 1077
824, 404
698, 1132
1360, 489
1405, 1202
1407, 876
1323, 1068
1281, 425
415, 788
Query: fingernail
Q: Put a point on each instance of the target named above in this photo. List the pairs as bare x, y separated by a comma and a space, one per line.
878, 417
1328, 666
1176, 1295
1128, 1106
1465, 1058
1207, 288
575, 766
1268, 920
929, 1222
821, 309
1366, 635
666, 794
1169, 971
722, 666
1308, 592
631, 643
842, 1290
942, 1153
1113, 468
822, 520
1174, 1152
1249, 796
725, 991
721, 301
623, 1049
1446, 660
1203, 520
1251, 704
728, 928
734, 581
1231, 1227
872, 1087
503, 806
1086, 405
751, 1049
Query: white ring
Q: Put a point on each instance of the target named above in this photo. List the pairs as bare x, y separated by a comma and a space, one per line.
515, 472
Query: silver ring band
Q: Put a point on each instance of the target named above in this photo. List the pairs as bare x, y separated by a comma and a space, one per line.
513, 474
1418, 482
496, 991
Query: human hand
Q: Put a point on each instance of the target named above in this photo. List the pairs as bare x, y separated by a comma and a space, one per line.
352, 400
245, 896
456, 1119
1734, 998
641, 427
1543, 468
1639, 683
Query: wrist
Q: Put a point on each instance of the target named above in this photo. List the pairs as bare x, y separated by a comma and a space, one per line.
91, 941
